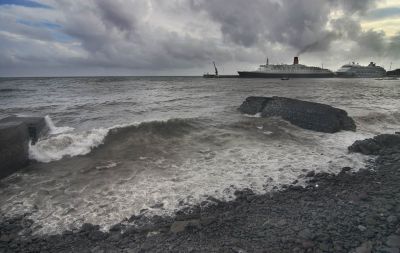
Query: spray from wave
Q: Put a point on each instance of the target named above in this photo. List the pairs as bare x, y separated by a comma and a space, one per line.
63, 142
56, 130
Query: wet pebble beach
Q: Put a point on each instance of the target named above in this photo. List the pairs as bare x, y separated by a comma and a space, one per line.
348, 212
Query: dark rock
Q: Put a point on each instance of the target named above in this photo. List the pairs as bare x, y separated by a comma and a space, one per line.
180, 226
310, 174
388, 250
345, 170
391, 219
158, 205
361, 228
306, 234
87, 227
14, 141
15, 134
307, 115
374, 145
365, 247
116, 227
253, 105
97, 235
307, 244
393, 241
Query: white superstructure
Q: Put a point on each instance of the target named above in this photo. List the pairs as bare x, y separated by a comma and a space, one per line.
356, 70
286, 70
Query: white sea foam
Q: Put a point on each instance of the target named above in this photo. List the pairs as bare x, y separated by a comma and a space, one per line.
257, 115
66, 144
106, 189
114, 190
62, 141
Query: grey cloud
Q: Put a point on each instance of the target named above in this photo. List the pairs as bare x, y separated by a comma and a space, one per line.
118, 14
301, 24
122, 34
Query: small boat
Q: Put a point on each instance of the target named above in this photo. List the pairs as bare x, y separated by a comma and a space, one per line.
285, 78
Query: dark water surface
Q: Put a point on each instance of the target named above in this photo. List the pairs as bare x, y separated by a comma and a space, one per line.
123, 144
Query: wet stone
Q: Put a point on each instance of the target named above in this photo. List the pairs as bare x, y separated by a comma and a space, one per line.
393, 241
365, 247
391, 219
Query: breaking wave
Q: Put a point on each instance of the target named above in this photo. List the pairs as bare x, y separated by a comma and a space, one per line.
62, 142
67, 144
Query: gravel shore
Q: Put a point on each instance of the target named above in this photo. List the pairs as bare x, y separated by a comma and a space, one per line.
349, 212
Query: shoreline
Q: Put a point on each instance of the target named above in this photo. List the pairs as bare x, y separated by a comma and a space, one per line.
348, 212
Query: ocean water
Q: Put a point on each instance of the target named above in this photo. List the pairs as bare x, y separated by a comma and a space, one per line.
119, 146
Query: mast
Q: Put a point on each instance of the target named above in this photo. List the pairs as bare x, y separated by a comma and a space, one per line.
216, 70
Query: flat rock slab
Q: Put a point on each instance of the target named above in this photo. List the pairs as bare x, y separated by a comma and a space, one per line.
15, 134
308, 115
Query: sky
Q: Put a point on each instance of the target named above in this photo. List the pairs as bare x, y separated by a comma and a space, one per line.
183, 37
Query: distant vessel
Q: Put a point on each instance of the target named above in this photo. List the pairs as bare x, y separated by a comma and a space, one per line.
356, 70
212, 75
295, 70
395, 72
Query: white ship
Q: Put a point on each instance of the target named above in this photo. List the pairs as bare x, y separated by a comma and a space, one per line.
295, 70
356, 70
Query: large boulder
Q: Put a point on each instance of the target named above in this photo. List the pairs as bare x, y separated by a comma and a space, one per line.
15, 135
374, 146
307, 115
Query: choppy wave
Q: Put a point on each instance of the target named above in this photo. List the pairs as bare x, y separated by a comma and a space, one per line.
379, 122
13, 90
66, 144
63, 142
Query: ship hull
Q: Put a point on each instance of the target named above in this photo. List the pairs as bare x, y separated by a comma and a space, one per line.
354, 75
250, 74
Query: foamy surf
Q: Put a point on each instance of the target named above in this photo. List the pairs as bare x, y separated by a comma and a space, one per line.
62, 141
69, 144
128, 169
166, 163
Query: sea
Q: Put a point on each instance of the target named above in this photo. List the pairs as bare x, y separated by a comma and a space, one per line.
123, 146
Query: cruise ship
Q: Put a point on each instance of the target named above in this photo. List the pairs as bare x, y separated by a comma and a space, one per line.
295, 70
356, 70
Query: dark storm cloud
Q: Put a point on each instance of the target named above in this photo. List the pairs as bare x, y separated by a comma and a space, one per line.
115, 13
301, 24
157, 35
249, 22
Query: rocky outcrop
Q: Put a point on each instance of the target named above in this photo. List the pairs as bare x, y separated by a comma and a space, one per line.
307, 115
15, 134
374, 146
